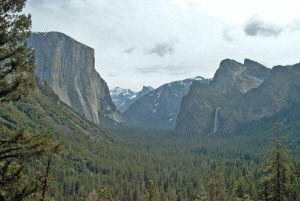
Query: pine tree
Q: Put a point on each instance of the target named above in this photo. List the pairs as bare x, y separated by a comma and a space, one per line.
105, 195
215, 187
151, 192
16, 148
240, 190
275, 185
16, 81
171, 193
201, 194
16, 59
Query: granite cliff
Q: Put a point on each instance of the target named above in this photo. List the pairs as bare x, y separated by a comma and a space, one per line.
238, 93
69, 68
280, 90
235, 77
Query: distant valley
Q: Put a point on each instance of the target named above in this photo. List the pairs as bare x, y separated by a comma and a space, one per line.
160, 107
238, 92
123, 98
185, 127
65, 135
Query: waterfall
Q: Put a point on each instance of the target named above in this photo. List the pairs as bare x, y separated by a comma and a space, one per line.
216, 121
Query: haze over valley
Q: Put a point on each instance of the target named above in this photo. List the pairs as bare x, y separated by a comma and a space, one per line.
163, 100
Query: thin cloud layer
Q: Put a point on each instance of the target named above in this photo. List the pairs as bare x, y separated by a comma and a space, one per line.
256, 26
162, 49
227, 35
130, 50
161, 37
170, 69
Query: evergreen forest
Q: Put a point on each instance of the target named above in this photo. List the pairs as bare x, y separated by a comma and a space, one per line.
48, 151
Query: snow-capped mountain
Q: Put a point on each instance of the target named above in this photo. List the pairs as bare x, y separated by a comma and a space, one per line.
123, 98
160, 107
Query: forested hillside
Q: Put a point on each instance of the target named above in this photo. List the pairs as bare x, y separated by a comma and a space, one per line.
125, 162
52, 150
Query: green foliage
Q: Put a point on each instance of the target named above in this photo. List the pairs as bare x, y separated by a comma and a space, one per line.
201, 194
127, 160
22, 144
42, 112
16, 59
16, 81
277, 184
215, 186
217, 168
240, 191
15, 185
151, 194
105, 195
16, 148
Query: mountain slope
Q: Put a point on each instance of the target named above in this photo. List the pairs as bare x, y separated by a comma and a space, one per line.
44, 111
69, 68
229, 105
84, 140
160, 107
123, 98
278, 91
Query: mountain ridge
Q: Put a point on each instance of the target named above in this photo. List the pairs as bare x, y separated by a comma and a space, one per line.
123, 98
160, 107
274, 93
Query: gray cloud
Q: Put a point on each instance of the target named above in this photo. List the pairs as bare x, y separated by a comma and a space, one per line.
164, 34
171, 70
227, 35
256, 26
161, 49
130, 50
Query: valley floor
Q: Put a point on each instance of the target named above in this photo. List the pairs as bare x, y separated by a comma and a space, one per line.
144, 161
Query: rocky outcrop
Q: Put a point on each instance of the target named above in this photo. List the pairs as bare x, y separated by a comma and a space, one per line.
69, 68
279, 90
200, 103
160, 107
235, 77
123, 98
242, 92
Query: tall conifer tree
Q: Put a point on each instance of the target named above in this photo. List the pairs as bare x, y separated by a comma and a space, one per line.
16, 81
275, 185
16, 59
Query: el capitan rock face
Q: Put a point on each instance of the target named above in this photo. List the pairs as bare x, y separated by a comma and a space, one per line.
69, 68
243, 93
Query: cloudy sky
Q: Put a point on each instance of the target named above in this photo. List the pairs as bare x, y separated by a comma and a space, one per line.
152, 42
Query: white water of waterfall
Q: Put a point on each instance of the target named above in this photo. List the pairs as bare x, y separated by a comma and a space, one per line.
216, 122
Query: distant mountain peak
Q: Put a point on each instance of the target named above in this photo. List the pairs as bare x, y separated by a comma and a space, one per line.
246, 92
123, 98
236, 77
147, 88
160, 107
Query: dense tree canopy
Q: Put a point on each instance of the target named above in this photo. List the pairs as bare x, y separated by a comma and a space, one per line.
139, 165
